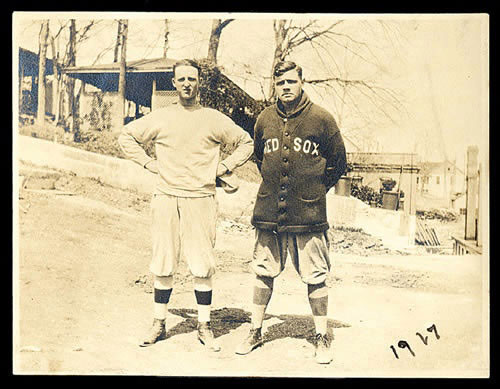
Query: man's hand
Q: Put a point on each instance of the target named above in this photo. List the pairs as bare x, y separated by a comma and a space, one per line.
221, 170
152, 166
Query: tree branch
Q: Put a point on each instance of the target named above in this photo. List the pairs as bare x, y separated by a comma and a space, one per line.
308, 38
224, 24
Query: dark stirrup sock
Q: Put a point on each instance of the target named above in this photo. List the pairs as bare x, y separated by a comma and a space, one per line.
162, 296
203, 297
262, 295
318, 299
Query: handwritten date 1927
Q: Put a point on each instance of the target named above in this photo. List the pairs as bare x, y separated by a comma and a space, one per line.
403, 344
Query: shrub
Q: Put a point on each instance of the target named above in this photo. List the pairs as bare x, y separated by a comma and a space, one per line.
444, 215
388, 183
99, 118
366, 194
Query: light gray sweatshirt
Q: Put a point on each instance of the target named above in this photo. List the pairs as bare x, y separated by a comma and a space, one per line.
187, 144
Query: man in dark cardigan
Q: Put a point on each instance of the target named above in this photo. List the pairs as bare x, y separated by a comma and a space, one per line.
301, 155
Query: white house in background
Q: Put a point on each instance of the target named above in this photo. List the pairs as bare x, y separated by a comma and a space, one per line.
442, 180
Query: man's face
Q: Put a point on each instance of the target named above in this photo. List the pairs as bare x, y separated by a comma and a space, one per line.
186, 81
288, 86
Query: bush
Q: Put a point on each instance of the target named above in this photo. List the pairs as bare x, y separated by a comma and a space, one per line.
101, 142
99, 118
444, 215
218, 92
388, 184
366, 194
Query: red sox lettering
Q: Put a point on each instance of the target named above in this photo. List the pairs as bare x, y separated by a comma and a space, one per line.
307, 146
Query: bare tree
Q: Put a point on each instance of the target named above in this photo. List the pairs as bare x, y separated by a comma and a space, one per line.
57, 78
288, 36
76, 37
123, 63
165, 40
213, 45
42, 58
325, 40
118, 41
55, 81
71, 61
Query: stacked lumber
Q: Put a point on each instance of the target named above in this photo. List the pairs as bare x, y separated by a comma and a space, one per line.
425, 235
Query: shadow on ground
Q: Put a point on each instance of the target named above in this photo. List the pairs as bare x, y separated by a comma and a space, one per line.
225, 320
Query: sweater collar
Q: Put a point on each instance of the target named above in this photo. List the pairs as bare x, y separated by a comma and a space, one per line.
303, 103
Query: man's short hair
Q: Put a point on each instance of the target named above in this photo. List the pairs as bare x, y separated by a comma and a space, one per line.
285, 66
187, 62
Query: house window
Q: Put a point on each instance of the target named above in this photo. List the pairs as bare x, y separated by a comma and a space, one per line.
438, 180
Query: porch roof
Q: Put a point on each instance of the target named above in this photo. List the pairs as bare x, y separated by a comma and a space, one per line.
140, 75
28, 64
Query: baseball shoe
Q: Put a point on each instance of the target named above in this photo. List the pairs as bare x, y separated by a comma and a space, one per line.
323, 354
156, 332
206, 336
251, 342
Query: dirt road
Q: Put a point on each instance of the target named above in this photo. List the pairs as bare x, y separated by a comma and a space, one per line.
83, 295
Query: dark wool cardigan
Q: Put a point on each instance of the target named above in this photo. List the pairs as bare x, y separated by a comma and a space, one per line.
300, 157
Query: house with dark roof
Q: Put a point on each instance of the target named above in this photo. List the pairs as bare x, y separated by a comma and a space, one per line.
28, 65
149, 87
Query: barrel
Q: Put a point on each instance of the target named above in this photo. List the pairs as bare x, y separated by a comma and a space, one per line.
343, 186
390, 200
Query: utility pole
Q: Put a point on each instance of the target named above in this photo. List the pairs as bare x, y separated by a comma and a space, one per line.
471, 193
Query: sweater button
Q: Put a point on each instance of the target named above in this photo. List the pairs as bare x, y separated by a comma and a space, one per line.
282, 198
284, 174
287, 133
283, 187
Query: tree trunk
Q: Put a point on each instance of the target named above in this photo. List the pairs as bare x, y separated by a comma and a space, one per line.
213, 43
42, 60
280, 33
165, 42
71, 80
123, 66
55, 82
118, 41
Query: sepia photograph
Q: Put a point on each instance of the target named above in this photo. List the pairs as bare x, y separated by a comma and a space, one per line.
250, 194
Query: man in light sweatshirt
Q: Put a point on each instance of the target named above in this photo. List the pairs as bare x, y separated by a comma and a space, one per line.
187, 140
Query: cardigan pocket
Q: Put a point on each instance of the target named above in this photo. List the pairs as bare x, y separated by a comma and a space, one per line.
313, 194
310, 200
263, 195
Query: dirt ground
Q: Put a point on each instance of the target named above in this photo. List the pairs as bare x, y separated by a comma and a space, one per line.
82, 300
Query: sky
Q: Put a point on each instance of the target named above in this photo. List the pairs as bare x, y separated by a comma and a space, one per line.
437, 64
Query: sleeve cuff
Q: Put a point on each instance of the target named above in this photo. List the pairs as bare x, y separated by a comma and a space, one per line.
146, 161
226, 166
